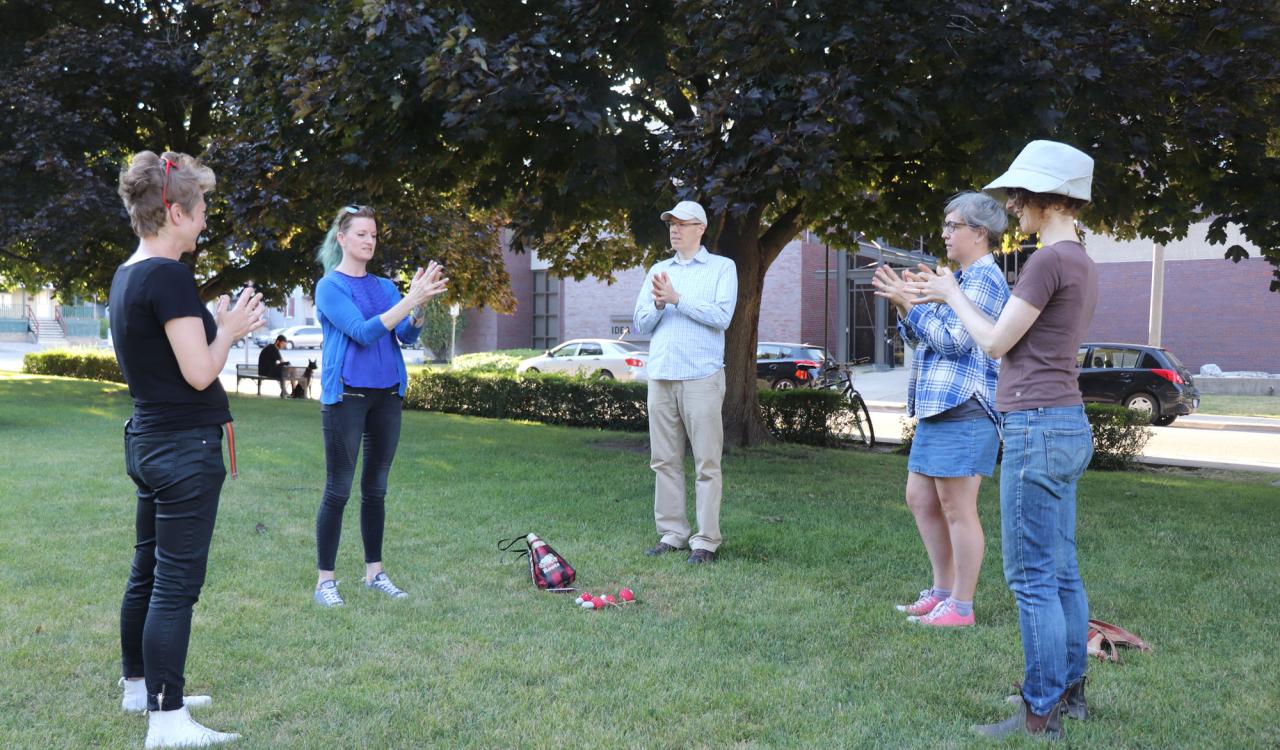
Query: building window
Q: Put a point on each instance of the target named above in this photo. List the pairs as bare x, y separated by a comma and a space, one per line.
546, 310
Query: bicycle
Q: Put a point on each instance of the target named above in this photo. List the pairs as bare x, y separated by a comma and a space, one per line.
853, 423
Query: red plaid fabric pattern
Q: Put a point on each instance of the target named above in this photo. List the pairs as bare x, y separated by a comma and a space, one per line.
547, 568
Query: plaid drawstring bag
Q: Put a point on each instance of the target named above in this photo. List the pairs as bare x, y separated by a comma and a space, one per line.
547, 568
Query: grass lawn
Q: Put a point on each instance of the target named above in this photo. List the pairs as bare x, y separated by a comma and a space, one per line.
1241, 406
789, 641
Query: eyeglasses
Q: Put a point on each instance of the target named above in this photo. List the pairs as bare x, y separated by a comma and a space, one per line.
671, 223
949, 227
164, 190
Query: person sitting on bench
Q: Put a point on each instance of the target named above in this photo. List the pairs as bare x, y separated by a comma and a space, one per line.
271, 364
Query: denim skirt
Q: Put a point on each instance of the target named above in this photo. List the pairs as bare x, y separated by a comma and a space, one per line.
956, 448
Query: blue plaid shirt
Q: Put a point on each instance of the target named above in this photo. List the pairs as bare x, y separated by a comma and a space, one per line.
688, 338
948, 367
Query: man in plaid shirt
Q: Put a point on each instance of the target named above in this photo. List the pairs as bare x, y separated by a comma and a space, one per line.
686, 303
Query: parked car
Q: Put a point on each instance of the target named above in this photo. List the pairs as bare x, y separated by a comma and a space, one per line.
785, 366
608, 357
302, 337
264, 337
1144, 378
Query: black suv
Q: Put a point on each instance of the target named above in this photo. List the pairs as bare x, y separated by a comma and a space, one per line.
787, 365
1144, 378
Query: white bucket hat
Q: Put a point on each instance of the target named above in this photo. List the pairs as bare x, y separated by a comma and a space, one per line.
687, 211
1049, 167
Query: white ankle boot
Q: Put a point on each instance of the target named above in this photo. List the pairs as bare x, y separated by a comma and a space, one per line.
135, 697
177, 729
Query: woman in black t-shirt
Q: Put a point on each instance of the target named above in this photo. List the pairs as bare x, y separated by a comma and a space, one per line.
170, 350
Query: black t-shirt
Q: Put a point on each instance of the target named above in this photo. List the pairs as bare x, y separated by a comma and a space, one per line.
269, 361
144, 296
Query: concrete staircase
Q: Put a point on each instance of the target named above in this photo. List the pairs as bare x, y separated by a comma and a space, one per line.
49, 333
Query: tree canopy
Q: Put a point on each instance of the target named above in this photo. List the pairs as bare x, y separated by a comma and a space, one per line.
85, 85
578, 121
574, 122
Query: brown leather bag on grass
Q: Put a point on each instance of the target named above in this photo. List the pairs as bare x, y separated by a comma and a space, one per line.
1104, 638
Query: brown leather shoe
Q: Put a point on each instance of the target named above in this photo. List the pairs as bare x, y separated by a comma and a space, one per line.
699, 556
1025, 722
662, 548
1074, 705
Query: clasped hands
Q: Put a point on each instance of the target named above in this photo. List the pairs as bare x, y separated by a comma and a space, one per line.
427, 283
664, 292
925, 284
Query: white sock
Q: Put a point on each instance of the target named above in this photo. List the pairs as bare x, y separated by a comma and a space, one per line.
135, 697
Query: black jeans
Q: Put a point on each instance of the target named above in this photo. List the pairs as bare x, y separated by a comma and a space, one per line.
371, 416
179, 476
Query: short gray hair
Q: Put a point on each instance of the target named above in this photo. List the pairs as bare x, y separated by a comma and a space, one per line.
983, 212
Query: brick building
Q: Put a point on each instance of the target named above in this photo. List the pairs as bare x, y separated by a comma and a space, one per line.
1215, 311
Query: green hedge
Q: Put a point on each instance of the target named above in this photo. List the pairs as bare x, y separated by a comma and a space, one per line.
801, 415
90, 364
797, 416
502, 361
1119, 435
552, 399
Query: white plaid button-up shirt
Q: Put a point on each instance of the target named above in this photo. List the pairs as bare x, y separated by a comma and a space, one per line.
688, 339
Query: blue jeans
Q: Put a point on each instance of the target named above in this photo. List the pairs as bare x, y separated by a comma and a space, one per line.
1045, 453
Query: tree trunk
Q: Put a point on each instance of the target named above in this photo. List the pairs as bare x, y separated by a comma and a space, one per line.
739, 240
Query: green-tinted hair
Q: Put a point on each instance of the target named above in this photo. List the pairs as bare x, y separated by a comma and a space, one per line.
329, 254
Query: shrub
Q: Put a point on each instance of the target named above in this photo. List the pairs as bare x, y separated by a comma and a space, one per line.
74, 363
908, 434
801, 415
552, 399
502, 361
797, 416
1119, 435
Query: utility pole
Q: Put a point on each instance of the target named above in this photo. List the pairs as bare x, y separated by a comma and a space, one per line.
454, 311
1155, 321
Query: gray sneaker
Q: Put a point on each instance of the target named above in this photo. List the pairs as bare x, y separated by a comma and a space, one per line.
327, 595
381, 583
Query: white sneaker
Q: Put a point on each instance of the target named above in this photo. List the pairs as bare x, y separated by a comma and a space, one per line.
177, 729
135, 697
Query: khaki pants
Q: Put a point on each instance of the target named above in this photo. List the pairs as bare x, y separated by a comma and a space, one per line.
678, 408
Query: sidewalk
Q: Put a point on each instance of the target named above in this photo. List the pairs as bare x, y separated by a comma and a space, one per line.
1204, 441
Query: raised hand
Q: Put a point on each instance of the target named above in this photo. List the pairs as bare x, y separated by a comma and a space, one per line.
246, 316
427, 283
929, 285
664, 292
892, 287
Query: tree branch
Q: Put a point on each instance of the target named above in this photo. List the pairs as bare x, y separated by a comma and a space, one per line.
783, 230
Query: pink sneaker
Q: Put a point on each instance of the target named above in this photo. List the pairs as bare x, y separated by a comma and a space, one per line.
945, 616
922, 606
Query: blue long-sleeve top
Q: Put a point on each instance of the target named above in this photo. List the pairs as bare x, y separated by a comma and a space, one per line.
343, 323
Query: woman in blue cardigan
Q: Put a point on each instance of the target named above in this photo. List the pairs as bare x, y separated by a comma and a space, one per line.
362, 387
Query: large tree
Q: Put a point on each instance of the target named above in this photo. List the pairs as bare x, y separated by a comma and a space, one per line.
577, 121
83, 85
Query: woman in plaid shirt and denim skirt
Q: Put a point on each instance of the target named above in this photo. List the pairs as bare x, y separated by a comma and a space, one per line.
952, 394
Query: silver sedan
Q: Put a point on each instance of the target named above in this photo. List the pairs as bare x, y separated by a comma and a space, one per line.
610, 358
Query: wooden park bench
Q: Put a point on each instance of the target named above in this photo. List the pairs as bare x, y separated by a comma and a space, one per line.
250, 372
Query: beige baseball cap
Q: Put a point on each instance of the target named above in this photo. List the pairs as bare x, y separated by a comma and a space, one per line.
1049, 167
686, 211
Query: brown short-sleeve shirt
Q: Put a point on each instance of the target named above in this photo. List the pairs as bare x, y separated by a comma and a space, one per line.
1061, 281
